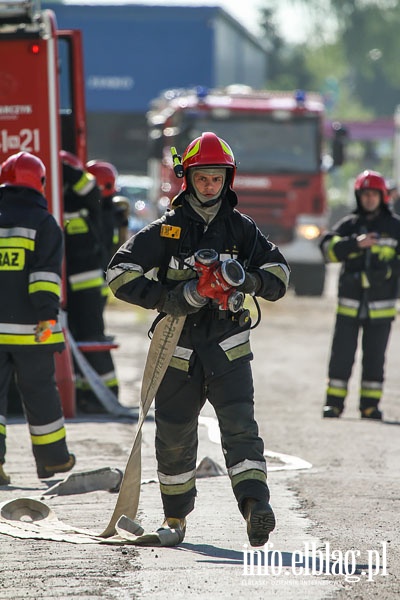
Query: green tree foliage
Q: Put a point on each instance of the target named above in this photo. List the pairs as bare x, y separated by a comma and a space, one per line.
287, 69
356, 42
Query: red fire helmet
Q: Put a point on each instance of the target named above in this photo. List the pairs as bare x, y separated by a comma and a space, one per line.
106, 176
208, 150
25, 170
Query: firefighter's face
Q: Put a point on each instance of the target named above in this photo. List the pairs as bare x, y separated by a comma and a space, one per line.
207, 184
370, 199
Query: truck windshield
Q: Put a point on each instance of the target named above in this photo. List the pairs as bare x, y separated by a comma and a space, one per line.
261, 144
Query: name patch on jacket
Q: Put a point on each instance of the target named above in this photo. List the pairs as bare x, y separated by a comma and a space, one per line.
170, 231
12, 259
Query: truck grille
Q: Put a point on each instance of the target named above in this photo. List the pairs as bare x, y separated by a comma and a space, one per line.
271, 211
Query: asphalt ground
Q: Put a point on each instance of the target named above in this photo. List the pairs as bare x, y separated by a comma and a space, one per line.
334, 485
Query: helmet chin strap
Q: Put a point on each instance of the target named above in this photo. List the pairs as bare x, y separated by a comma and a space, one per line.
204, 201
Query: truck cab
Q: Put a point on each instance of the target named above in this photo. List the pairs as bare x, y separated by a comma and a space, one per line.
277, 141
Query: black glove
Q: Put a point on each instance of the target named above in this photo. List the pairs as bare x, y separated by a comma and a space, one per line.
251, 284
173, 302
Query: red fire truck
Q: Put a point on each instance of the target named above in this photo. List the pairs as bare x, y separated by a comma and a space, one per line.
277, 141
42, 110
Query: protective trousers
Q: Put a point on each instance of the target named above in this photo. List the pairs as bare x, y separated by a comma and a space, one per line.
85, 314
178, 404
375, 337
86, 323
35, 377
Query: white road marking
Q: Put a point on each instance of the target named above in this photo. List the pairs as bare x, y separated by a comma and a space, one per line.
290, 463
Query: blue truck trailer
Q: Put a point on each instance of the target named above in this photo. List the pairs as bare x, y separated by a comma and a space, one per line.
134, 51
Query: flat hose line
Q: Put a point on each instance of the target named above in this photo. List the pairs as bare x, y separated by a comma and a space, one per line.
163, 343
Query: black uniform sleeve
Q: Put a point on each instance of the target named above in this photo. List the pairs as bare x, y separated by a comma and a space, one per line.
130, 273
262, 257
341, 241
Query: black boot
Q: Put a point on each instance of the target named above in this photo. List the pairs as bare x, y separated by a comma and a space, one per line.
371, 412
44, 472
333, 408
260, 520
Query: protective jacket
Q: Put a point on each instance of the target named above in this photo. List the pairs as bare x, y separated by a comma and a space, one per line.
82, 224
31, 249
368, 280
168, 246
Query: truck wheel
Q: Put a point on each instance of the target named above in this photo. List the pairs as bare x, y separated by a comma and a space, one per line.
308, 280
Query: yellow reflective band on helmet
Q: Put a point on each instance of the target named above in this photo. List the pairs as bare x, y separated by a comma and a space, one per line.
193, 151
226, 149
48, 438
45, 286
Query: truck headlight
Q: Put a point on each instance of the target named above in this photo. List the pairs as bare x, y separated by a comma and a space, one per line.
308, 231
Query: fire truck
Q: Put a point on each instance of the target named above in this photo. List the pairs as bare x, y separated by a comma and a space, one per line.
42, 110
277, 141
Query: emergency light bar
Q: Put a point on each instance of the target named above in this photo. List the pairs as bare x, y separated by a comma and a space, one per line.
18, 11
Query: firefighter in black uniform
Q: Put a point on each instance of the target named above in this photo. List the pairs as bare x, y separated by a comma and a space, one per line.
85, 257
367, 243
114, 214
106, 178
31, 250
212, 358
